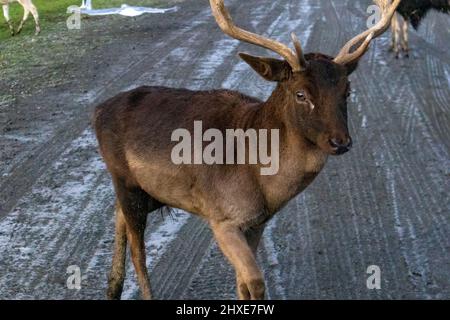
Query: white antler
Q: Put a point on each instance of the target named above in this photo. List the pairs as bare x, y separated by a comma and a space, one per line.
223, 18
345, 56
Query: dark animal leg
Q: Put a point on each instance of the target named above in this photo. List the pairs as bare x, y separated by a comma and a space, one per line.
117, 274
132, 210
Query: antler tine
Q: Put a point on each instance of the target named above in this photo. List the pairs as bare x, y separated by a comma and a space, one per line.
299, 50
345, 56
225, 23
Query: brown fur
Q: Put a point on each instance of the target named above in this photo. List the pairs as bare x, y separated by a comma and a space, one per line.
134, 132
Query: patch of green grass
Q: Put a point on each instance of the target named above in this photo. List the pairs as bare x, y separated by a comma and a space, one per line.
29, 63
53, 11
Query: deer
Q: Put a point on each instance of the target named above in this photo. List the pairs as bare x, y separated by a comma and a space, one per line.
309, 108
412, 11
28, 7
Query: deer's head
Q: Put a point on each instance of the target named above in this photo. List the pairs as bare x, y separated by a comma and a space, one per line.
315, 85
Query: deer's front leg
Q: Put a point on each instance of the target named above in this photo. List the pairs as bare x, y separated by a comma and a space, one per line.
253, 237
233, 243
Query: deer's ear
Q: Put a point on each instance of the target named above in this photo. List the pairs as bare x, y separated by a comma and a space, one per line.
268, 68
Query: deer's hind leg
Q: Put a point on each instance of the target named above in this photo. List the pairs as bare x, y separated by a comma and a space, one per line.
405, 37
117, 273
35, 15
26, 13
7, 18
395, 28
132, 210
28, 7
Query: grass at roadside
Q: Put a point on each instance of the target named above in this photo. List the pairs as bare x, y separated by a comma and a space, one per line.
31, 63
54, 11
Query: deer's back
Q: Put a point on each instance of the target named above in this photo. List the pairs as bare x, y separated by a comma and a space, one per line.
149, 115
134, 131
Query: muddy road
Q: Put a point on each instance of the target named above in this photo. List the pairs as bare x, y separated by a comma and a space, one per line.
385, 203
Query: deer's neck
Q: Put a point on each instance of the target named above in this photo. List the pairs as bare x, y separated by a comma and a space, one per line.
300, 160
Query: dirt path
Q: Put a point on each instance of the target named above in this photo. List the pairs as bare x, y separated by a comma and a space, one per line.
385, 203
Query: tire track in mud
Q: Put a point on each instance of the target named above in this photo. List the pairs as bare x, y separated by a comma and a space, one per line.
46, 224
403, 158
394, 143
67, 220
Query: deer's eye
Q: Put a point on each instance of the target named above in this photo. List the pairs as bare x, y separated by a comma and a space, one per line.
301, 96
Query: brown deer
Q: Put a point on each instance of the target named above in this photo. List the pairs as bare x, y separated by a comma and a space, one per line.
308, 107
28, 7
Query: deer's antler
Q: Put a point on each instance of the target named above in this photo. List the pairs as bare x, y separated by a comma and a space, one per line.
223, 19
345, 56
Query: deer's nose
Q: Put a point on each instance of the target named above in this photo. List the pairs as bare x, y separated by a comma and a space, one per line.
341, 146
